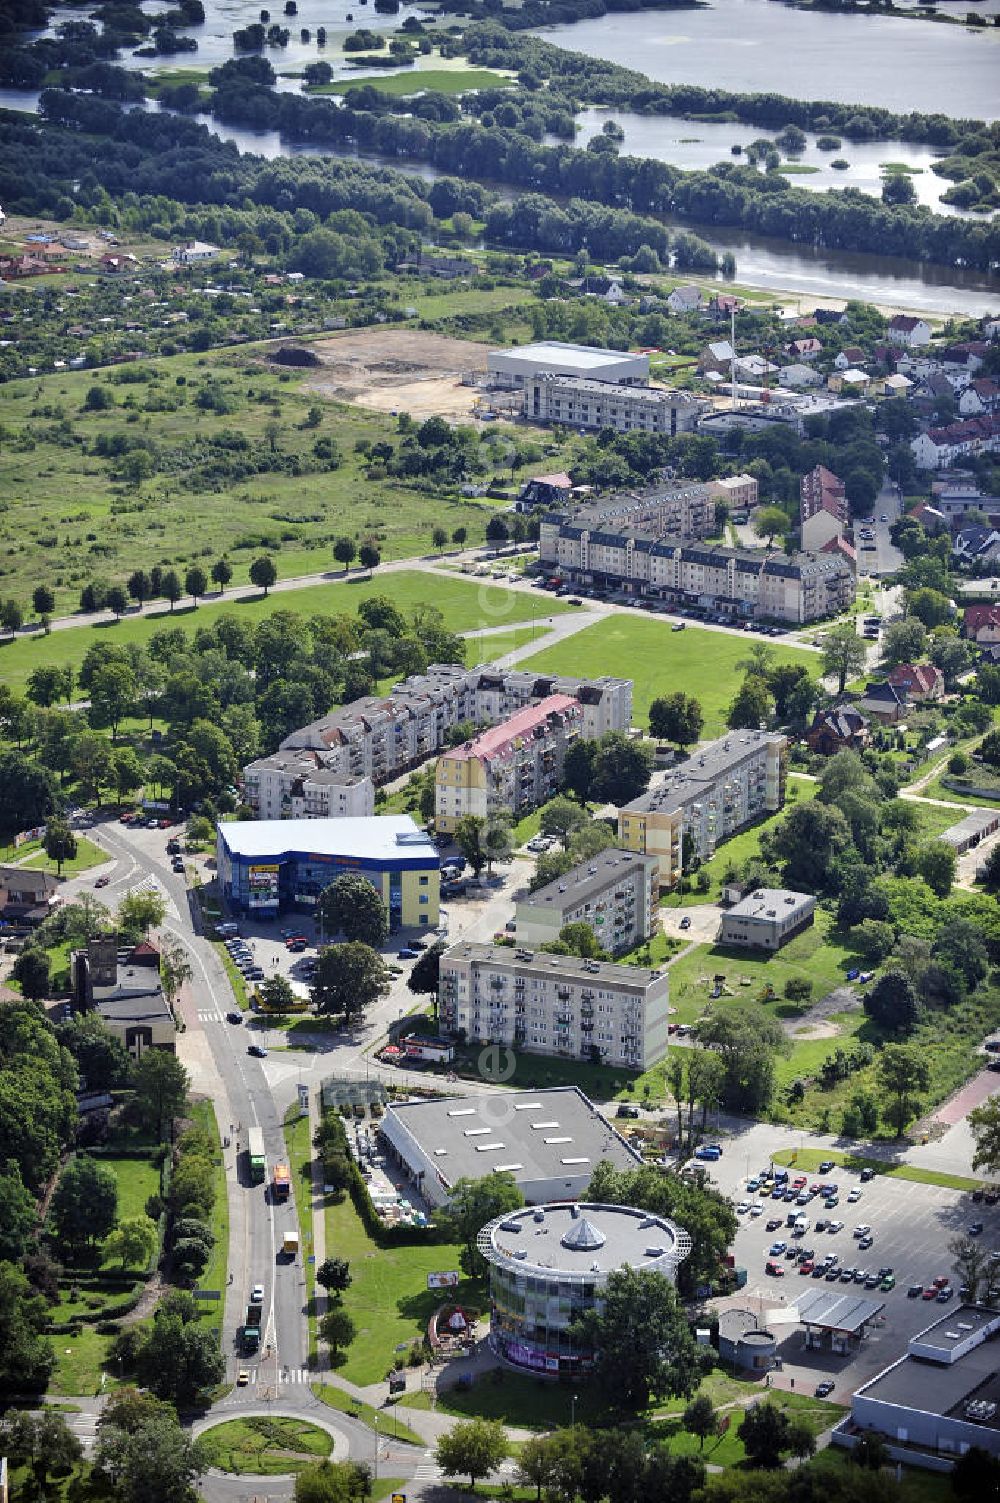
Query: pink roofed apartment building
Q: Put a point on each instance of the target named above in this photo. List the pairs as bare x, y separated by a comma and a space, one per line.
510, 768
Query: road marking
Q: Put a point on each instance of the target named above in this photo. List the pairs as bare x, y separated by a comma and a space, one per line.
296, 1375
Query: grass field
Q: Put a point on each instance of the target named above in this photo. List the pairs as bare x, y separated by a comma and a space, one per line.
265, 1445
420, 81
385, 1421
466, 606
388, 1298
79, 1363
87, 855
69, 519
300, 1164
216, 1269
661, 661
810, 1159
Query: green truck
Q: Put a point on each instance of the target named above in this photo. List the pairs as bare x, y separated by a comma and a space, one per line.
250, 1330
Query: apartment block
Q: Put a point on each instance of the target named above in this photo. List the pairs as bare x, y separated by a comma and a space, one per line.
706, 799
740, 492
741, 583
555, 1004
582, 403
615, 894
294, 784
823, 510
329, 768
510, 768
681, 510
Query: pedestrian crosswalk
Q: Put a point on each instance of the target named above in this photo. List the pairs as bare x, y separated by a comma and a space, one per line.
285, 1375
427, 1469
210, 1015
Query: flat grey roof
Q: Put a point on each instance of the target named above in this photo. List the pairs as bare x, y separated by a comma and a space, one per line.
652, 395
539, 1135
603, 973
837, 1312
941, 1388
583, 1239
687, 779
588, 878
980, 822
770, 902
586, 356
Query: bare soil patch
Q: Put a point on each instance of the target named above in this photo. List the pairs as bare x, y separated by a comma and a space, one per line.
406, 370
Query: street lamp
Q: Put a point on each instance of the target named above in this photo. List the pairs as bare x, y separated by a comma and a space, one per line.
376, 1446
572, 1410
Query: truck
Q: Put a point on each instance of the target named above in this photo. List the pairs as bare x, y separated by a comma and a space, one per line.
250, 1330
256, 1156
280, 1182
290, 1245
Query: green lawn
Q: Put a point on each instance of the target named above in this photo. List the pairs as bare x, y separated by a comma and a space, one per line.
137, 1179
419, 81
265, 1445
810, 1159
79, 1362
385, 1420
661, 661
496, 644
87, 855
388, 1297
217, 1268
300, 1164
466, 606
952, 791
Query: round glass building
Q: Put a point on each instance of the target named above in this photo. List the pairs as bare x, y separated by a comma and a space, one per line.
550, 1263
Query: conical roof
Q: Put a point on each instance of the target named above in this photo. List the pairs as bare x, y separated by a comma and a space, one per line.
583, 1236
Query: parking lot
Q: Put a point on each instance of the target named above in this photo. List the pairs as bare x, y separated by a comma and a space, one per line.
911, 1227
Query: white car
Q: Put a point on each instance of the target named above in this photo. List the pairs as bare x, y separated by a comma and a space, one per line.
862, 1231
756, 1209
743, 1208
257, 1294
854, 1196
835, 1226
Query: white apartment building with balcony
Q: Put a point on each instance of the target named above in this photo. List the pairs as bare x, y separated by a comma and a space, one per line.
555, 1004
615, 894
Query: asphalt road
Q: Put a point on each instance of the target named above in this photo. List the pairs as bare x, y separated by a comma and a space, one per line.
886, 557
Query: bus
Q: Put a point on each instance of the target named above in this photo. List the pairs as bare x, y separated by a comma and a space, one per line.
280, 1182
255, 1153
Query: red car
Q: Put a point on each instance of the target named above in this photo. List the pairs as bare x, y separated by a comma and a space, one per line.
799, 1182
807, 1266
929, 1293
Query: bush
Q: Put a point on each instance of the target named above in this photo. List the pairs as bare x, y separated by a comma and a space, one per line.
958, 763
798, 989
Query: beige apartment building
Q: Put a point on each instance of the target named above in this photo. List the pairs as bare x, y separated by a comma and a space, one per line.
706, 799
581, 403
686, 510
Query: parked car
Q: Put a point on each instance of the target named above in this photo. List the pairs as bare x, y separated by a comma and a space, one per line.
257, 1050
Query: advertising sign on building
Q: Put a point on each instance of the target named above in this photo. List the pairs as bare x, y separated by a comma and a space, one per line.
442, 1280
263, 884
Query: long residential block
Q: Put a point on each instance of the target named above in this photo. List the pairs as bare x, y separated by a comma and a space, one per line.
555, 1004
681, 510
741, 583
582, 403
329, 768
615, 895
705, 799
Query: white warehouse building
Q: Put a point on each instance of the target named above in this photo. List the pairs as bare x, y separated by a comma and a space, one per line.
550, 357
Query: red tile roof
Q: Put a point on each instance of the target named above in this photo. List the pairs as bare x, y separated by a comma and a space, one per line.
499, 737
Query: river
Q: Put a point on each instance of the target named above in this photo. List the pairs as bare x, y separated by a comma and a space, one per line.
762, 46
747, 45
808, 276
